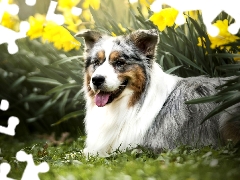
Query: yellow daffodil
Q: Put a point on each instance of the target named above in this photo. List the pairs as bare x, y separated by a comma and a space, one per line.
9, 21
60, 37
121, 27
224, 37
201, 42
51, 32
113, 34
145, 5
67, 4
36, 26
166, 17
72, 22
95, 4
146, 2
193, 14
86, 14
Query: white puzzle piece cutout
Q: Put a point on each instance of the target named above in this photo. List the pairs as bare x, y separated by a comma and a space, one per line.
31, 171
30, 2
51, 16
4, 105
4, 170
12, 123
9, 36
76, 11
210, 10
12, 9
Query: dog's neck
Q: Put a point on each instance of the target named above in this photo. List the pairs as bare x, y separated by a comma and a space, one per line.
116, 126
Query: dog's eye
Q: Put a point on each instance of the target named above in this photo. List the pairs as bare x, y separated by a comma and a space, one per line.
96, 62
119, 63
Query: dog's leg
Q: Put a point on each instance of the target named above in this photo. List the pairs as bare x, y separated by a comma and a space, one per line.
230, 128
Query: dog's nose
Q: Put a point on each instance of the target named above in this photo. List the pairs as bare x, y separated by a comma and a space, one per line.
98, 80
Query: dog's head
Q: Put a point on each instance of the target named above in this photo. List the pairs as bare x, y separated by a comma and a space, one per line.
114, 64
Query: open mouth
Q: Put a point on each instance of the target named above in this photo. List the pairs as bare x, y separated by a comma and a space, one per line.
102, 98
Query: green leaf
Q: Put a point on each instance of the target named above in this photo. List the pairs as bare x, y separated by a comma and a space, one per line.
63, 87
71, 74
73, 34
48, 72
225, 55
66, 59
203, 100
231, 88
182, 57
68, 116
216, 98
43, 80
229, 83
169, 71
17, 82
48, 104
202, 33
223, 106
63, 103
34, 98
229, 67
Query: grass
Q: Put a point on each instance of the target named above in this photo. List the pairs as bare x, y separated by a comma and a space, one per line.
67, 162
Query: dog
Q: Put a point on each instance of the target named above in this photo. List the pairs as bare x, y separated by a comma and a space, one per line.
131, 102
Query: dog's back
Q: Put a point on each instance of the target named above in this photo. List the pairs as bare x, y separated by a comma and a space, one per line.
179, 123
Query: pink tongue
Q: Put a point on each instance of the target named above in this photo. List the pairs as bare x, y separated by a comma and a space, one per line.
101, 99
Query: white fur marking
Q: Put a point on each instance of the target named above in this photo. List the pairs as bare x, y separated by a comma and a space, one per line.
112, 82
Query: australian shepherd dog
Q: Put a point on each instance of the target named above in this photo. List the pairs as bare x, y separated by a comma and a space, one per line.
130, 101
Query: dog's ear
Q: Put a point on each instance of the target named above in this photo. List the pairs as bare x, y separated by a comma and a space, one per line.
145, 41
90, 37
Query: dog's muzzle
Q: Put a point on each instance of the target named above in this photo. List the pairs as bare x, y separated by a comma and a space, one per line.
102, 96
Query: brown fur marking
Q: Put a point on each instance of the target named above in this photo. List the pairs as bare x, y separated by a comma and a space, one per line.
101, 56
114, 56
136, 82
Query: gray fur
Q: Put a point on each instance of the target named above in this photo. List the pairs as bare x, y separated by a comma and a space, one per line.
179, 124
